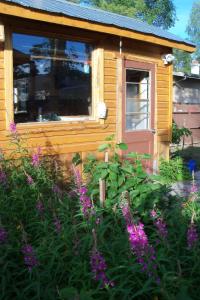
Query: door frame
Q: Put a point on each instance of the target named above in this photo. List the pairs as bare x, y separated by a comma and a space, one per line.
151, 68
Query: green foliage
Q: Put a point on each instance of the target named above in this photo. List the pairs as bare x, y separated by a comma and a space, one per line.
173, 170
179, 133
160, 13
122, 175
64, 271
193, 28
182, 62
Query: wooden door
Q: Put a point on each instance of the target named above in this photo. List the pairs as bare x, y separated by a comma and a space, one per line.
138, 107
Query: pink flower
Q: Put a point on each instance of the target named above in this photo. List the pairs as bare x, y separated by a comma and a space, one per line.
192, 236
29, 179
153, 213
13, 128
98, 266
193, 189
36, 158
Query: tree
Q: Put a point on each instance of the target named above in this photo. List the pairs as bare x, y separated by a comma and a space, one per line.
182, 61
193, 28
157, 12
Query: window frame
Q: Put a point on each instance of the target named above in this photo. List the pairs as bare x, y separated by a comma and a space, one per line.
148, 100
97, 76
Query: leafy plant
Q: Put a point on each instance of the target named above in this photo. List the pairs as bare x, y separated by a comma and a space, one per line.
173, 170
121, 175
179, 133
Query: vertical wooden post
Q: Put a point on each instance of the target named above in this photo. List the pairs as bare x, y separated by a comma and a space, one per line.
102, 192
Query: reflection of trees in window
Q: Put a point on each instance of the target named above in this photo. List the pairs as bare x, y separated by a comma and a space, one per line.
59, 76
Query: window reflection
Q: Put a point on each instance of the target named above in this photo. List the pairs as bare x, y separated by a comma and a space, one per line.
52, 78
137, 99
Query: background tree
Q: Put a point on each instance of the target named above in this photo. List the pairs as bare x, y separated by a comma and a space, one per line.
160, 13
193, 28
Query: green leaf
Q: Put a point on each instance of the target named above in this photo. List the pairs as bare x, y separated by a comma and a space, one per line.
110, 137
132, 155
76, 160
103, 147
122, 146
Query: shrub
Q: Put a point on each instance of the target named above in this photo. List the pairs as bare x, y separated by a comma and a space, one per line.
60, 244
173, 170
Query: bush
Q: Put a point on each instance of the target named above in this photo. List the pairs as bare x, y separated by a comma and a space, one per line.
173, 170
60, 244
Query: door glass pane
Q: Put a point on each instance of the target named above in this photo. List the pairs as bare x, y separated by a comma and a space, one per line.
137, 99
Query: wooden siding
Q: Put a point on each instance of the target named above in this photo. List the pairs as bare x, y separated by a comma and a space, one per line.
65, 138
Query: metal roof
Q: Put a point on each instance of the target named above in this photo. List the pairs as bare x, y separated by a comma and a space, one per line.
66, 8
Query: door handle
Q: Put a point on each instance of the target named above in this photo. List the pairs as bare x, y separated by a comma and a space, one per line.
153, 131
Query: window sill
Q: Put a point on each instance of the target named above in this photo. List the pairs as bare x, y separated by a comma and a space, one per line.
56, 126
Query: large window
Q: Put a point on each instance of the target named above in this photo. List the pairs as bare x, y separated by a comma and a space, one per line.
137, 99
52, 79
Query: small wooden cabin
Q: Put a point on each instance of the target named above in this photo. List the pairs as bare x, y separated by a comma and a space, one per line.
62, 66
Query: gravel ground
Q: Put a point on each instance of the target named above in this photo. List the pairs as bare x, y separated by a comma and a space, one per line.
182, 188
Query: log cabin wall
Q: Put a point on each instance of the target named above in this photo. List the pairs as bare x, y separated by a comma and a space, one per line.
66, 138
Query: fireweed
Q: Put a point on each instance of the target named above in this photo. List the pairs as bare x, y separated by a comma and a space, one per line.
3, 178
160, 225
13, 128
3, 235
86, 203
30, 259
36, 158
29, 179
77, 178
98, 267
192, 236
57, 224
57, 190
144, 252
40, 207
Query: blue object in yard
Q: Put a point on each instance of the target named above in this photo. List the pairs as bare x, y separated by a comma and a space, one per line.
192, 165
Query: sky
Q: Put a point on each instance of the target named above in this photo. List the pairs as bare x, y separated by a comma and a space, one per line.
183, 9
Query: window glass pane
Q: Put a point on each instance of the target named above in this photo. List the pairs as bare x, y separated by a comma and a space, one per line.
52, 78
137, 99
137, 121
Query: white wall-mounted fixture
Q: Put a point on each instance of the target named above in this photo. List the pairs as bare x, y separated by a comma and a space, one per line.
168, 58
102, 110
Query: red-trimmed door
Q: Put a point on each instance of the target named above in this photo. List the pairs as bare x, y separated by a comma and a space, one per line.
138, 107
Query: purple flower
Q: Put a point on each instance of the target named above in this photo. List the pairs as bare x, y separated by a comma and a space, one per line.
36, 158
57, 190
192, 236
58, 226
30, 259
3, 235
193, 189
153, 213
40, 207
139, 244
126, 213
77, 177
161, 227
86, 203
29, 179
13, 128
3, 178
98, 267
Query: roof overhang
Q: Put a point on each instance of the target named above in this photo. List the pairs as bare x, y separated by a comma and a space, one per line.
15, 10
